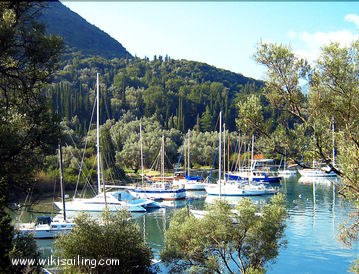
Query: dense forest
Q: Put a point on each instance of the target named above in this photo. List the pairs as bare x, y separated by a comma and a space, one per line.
169, 96
181, 94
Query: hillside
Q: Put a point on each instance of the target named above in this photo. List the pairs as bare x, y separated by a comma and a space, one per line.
181, 94
78, 34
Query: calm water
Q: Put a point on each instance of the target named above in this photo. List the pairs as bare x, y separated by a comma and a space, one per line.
315, 211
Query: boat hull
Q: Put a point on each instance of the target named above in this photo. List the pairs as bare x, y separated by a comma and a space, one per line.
189, 185
316, 173
98, 204
238, 190
45, 231
156, 194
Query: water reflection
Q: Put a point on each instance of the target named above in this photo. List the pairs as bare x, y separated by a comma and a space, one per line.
315, 211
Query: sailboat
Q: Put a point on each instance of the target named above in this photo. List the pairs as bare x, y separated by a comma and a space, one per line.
111, 200
162, 189
187, 181
46, 227
225, 188
259, 171
321, 170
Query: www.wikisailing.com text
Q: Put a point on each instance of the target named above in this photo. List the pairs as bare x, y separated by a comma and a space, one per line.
75, 261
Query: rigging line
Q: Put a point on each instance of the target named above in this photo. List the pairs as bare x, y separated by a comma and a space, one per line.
155, 162
83, 154
81, 169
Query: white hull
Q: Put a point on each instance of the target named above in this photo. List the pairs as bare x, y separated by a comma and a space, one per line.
98, 203
189, 184
316, 173
287, 173
238, 190
156, 194
45, 231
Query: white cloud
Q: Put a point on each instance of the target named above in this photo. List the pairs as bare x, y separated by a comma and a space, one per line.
352, 18
308, 45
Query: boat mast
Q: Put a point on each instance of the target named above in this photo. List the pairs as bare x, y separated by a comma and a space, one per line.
141, 145
252, 158
220, 154
224, 152
163, 159
333, 131
98, 132
62, 183
188, 163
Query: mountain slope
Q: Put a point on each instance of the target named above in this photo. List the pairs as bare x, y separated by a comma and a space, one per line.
78, 34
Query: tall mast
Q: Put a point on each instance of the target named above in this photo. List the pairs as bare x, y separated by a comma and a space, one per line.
252, 155
333, 131
62, 183
224, 152
163, 159
141, 145
98, 132
188, 163
220, 154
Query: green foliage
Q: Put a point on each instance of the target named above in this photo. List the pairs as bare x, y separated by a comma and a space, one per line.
14, 245
27, 129
24, 246
7, 233
113, 236
227, 240
174, 91
250, 115
304, 132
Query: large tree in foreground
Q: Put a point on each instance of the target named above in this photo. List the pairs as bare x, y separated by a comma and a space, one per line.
112, 243
317, 109
28, 57
226, 240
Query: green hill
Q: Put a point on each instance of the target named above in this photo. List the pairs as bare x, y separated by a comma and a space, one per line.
181, 94
78, 34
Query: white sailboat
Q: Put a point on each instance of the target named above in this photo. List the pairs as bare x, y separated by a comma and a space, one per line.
110, 200
189, 182
161, 190
45, 227
225, 188
321, 170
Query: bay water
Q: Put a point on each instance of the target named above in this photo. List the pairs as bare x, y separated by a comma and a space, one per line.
315, 213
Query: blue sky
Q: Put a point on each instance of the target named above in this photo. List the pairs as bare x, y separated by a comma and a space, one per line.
223, 34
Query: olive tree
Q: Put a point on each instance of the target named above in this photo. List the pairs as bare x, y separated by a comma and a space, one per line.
226, 240
317, 107
113, 238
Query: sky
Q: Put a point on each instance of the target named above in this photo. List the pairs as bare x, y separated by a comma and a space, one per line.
222, 34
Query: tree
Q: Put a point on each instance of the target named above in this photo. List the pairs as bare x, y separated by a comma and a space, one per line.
24, 246
27, 128
227, 240
307, 113
114, 236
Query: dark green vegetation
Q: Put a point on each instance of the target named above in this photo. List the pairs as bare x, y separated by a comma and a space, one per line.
113, 236
227, 241
180, 94
27, 128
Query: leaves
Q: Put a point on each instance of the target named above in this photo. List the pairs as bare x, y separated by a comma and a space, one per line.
227, 240
113, 236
